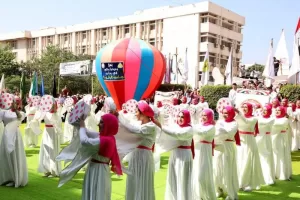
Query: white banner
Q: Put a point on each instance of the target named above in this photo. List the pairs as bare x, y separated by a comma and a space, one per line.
251, 98
79, 68
94, 67
164, 97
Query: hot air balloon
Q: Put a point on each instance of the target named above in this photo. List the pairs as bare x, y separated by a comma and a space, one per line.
129, 69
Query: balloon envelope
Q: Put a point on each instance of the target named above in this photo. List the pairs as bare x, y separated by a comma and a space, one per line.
130, 69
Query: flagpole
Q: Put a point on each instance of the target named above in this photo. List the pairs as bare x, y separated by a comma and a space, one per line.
176, 54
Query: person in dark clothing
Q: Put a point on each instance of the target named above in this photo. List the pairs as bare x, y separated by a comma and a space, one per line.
276, 66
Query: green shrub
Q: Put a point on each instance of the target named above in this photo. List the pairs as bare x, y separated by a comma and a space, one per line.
292, 92
170, 87
213, 93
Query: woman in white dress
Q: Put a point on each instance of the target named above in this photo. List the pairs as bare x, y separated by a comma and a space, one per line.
203, 104
67, 135
179, 175
250, 172
31, 139
13, 164
293, 125
202, 175
281, 148
50, 146
140, 180
97, 179
225, 166
275, 104
264, 144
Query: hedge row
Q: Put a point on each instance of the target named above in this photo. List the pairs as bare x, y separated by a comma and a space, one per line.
291, 92
171, 87
213, 93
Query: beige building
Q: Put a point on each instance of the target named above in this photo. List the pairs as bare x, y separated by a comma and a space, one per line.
196, 27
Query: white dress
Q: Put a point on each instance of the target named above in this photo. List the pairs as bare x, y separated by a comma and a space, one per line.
31, 139
202, 175
1, 130
13, 164
50, 146
68, 130
281, 149
91, 122
178, 186
249, 170
293, 134
97, 181
141, 169
265, 149
225, 165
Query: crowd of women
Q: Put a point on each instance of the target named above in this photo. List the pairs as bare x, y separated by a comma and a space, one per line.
202, 165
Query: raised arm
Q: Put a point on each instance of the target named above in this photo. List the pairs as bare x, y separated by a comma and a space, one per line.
179, 133
86, 141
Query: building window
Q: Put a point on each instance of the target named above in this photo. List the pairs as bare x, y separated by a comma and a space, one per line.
66, 37
203, 39
104, 32
49, 40
212, 20
152, 42
84, 35
204, 20
152, 25
212, 40
127, 29
83, 50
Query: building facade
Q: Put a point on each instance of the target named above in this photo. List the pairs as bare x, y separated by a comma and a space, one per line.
173, 30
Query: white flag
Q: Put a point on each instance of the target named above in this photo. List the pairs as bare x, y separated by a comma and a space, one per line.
2, 84
295, 67
185, 74
269, 68
228, 70
281, 54
205, 70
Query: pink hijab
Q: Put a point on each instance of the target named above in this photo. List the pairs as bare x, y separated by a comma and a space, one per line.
210, 121
231, 115
250, 114
146, 110
276, 102
210, 117
187, 122
293, 106
269, 111
108, 146
282, 112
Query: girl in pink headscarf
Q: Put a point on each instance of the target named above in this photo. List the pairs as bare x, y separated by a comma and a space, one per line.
181, 159
97, 179
140, 179
225, 166
203, 104
281, 147
275, 104
264, 144
202, 175
250, 172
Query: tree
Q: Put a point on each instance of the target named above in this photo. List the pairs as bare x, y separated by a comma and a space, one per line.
48, 65
256, 67
8, 63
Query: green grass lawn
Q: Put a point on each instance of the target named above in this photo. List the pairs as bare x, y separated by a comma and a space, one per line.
40, 188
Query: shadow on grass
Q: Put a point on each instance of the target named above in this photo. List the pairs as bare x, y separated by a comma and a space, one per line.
31, 152
164, 160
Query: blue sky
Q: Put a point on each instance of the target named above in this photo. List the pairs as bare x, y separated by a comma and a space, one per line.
264, 18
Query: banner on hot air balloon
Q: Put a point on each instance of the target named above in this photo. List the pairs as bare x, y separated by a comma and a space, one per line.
112, 71
143, 70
